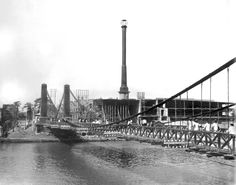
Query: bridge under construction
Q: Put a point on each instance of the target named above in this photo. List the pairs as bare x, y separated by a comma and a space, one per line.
170, 120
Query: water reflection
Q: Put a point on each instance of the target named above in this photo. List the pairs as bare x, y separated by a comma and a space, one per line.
108, 163
161, 165
118, 157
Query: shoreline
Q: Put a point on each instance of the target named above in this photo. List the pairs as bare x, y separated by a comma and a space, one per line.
46, 140
28, 140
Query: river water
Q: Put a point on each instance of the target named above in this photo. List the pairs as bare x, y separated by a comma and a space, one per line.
109, 163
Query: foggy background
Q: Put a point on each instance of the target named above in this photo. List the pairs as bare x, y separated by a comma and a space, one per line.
170, 45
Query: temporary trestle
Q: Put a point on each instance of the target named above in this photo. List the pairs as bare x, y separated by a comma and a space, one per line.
213, 139
171, 134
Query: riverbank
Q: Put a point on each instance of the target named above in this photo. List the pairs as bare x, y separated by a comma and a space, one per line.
21, 135
27, 140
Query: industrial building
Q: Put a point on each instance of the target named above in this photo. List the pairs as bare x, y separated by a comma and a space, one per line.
174, 110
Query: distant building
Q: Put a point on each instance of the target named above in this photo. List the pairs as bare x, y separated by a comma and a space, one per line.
174, 110
81, 110
115, 110
179, 109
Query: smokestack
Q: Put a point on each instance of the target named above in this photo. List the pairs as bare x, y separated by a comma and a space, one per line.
124, 91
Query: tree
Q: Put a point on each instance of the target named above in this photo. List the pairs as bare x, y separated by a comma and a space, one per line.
17, 104
29, 112
16, 116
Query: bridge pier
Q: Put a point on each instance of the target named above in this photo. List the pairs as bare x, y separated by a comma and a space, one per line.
44, 103
66, 101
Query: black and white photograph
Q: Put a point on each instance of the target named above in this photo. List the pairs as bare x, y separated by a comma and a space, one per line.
108, 92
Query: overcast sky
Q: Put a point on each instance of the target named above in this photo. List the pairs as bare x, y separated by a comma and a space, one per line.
170, 45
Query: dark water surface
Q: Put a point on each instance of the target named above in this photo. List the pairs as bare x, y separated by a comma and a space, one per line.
109, 163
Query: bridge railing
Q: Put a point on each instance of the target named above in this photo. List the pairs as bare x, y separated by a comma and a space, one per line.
211, 139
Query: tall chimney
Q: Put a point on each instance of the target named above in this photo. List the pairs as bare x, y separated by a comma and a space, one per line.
124, 91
